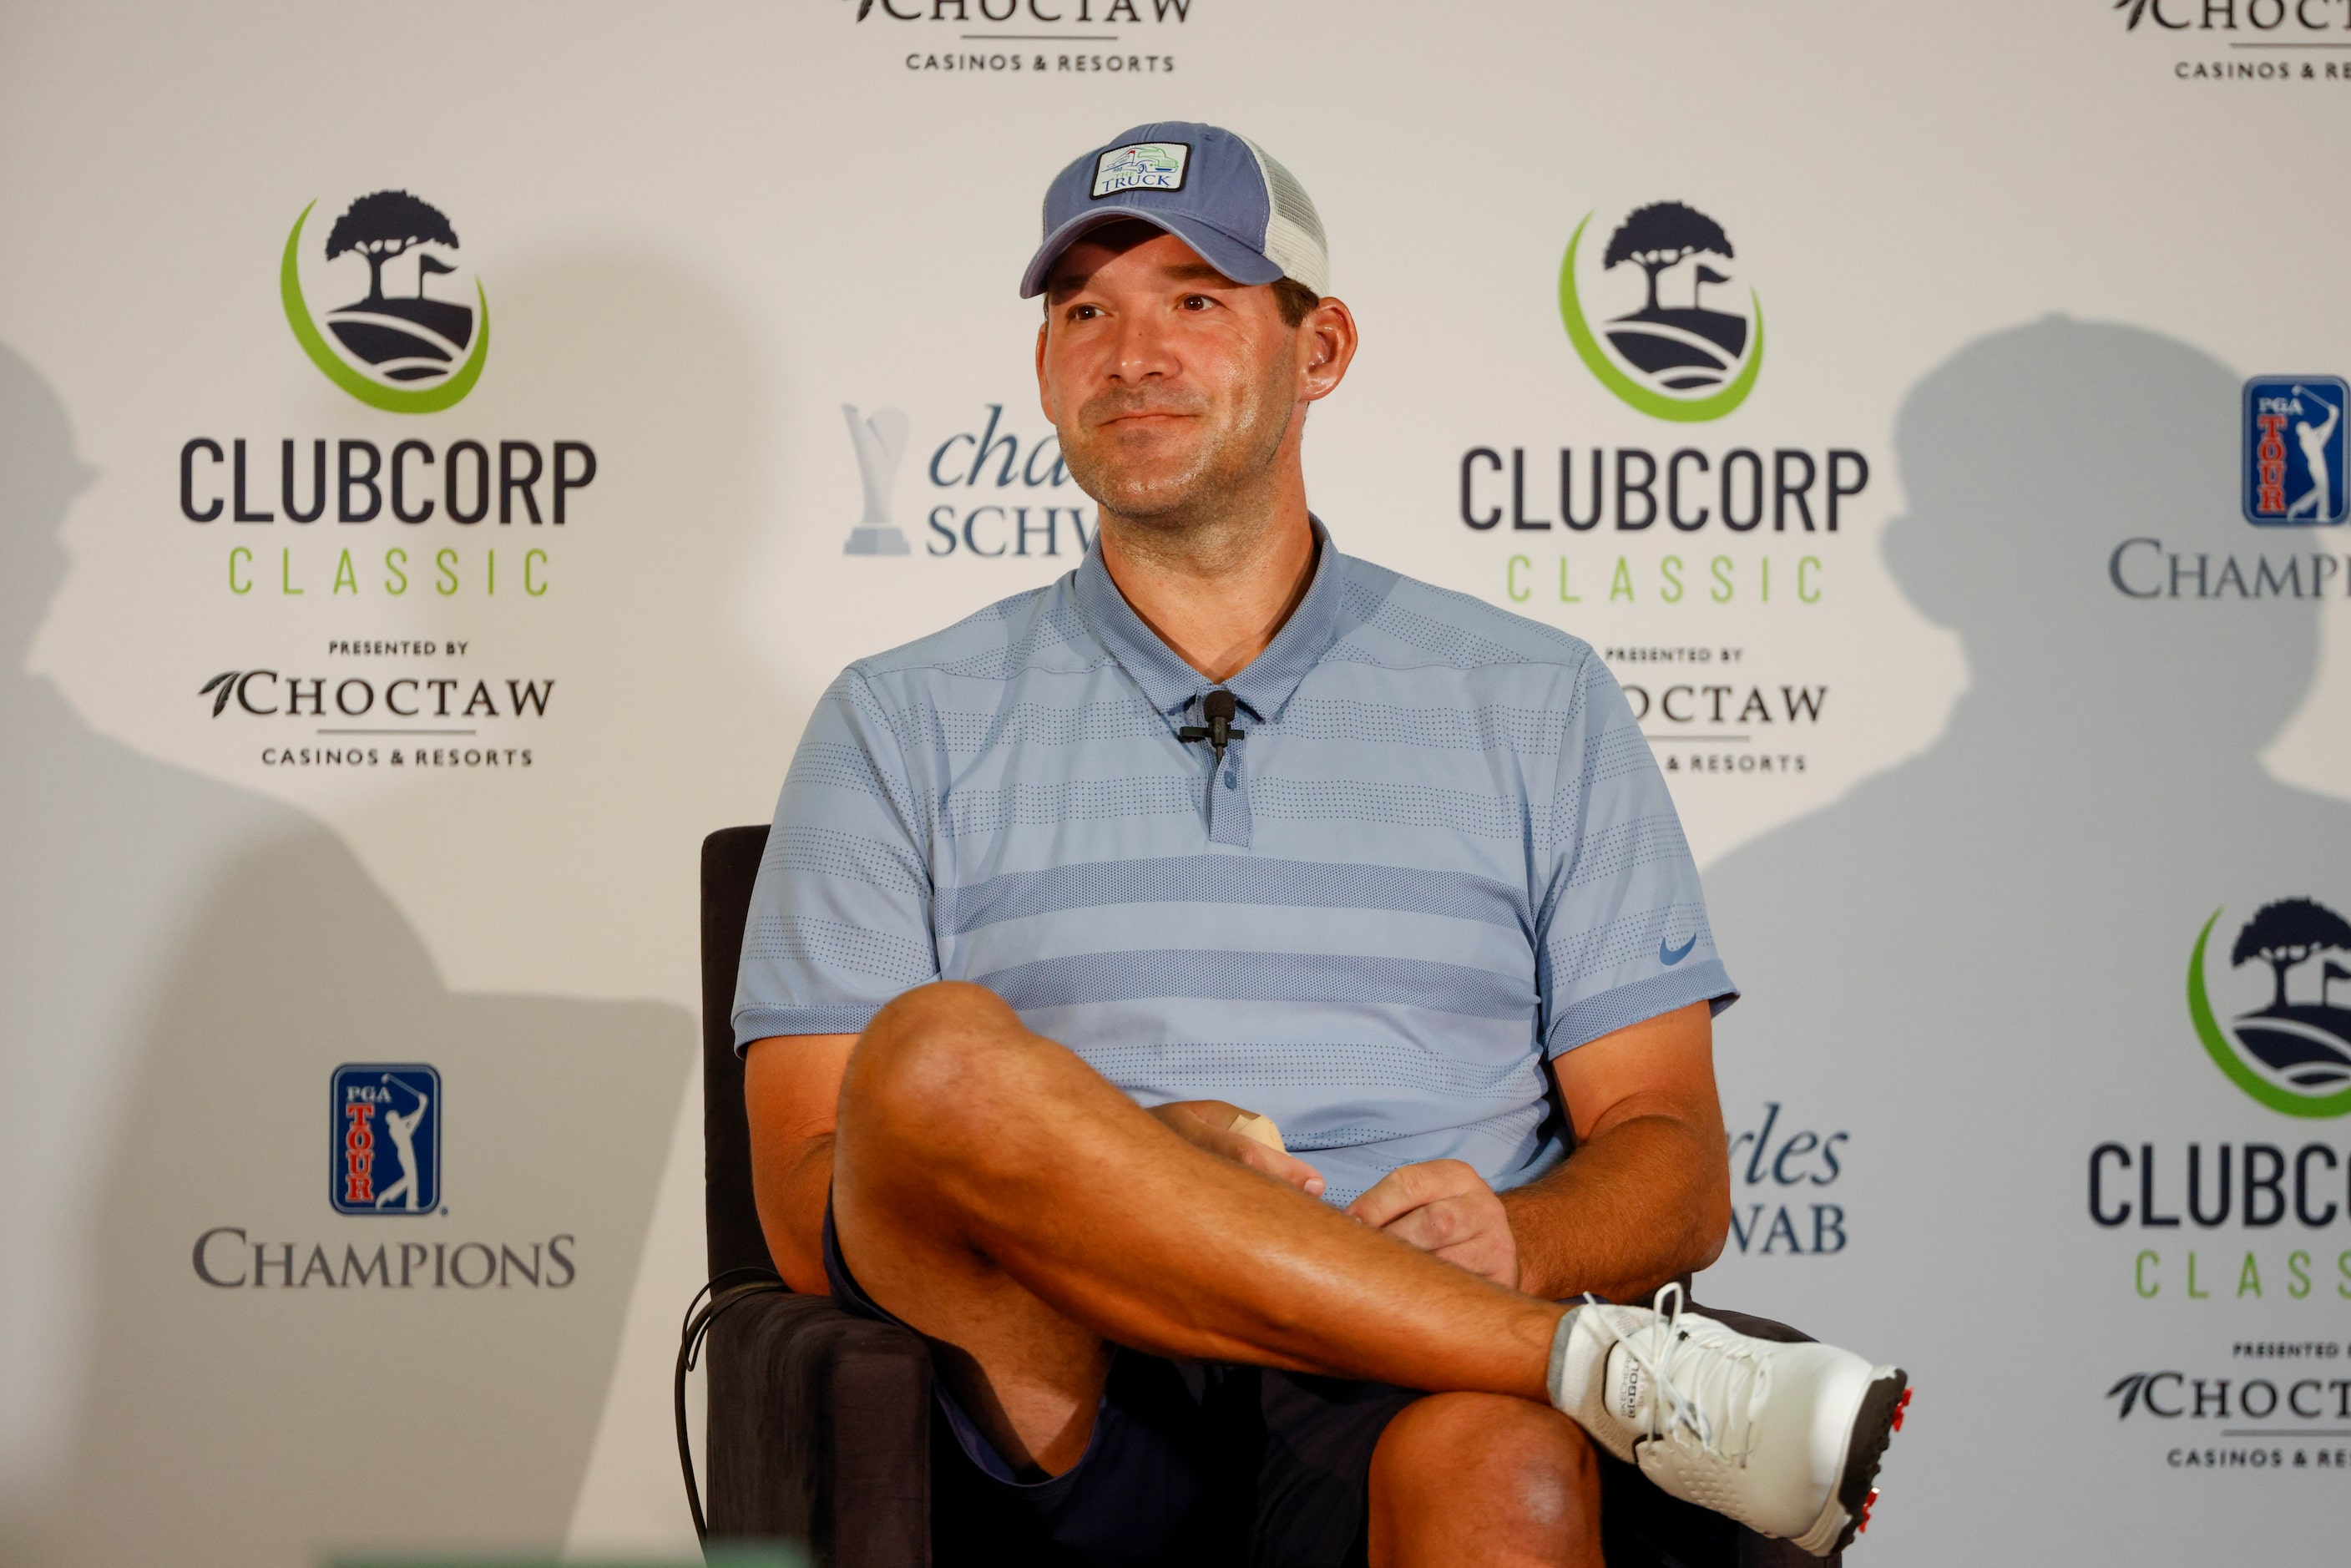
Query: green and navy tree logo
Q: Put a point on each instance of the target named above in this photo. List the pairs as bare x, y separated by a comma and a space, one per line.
400, 346
1673, 355
2292, 1054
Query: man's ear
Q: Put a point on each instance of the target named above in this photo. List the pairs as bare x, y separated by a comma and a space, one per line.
1330, 330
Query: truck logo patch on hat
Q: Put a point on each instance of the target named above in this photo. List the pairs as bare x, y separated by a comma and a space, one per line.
1141, 166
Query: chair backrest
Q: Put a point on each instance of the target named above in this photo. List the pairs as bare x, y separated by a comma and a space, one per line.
730, 863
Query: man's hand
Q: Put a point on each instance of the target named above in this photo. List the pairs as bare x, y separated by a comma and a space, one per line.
1445, 1207
1207, 1123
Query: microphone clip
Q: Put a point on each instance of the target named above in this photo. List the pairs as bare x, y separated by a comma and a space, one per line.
1217, 708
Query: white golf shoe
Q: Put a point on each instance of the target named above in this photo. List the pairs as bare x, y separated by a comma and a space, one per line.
1784, 1438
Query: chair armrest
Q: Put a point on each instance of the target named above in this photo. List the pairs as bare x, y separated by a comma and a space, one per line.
820, 1432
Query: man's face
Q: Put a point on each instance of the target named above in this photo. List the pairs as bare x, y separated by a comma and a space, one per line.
1173, 387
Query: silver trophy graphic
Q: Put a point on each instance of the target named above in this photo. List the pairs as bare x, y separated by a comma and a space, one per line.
880, 441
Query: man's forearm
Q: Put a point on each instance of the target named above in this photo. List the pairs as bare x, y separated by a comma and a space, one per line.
791, 1201
1638, 1204
792, 1084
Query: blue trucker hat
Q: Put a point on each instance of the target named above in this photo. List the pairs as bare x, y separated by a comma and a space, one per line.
1220, 194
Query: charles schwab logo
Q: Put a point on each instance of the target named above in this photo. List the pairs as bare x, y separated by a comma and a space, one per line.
992, 491
879, 439
386, 1131
1781, 1208
2290, 1053
399, 347
1658, 343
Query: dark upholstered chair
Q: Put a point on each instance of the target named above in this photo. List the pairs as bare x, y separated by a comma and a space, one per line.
819, 1424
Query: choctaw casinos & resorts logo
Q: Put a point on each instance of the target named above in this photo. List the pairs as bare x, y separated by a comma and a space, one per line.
1638, 311
2243, 40
411, 343
2274, 1028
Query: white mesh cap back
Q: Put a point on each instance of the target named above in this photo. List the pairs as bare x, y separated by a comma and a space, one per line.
1293, 231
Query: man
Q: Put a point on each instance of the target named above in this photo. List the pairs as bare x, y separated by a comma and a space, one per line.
1226, 816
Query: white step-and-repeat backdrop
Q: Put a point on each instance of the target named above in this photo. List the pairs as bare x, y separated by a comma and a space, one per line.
444, 450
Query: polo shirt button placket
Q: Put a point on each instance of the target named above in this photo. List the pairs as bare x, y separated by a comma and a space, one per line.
1228, 812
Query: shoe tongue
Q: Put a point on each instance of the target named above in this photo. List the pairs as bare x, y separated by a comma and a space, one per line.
1625, 1388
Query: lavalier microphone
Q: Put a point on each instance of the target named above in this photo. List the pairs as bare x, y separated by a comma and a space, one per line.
1217, 708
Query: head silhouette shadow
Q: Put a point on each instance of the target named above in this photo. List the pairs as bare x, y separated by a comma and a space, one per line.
2100, 724
2031, 457
1974, 958
39, 477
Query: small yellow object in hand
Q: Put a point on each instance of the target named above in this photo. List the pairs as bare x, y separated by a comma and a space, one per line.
1248, 1124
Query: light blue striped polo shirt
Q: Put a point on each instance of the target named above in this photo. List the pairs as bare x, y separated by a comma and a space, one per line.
1439, 850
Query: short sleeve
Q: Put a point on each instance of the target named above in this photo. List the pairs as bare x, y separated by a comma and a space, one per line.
839, 919
1622, 931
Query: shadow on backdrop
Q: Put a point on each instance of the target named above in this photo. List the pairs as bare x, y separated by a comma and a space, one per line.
185, 964
1980, 955
660, 370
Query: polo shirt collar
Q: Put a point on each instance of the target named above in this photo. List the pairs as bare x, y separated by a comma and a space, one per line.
1170, 685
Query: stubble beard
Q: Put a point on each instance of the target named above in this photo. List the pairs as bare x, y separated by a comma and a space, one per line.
1218, 501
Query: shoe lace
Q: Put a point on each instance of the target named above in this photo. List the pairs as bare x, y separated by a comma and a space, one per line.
1684, 1370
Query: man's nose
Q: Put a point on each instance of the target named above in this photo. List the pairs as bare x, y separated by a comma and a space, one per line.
1145, 351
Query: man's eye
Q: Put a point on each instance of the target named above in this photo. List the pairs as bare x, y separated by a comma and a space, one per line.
1083, 312
1197, 302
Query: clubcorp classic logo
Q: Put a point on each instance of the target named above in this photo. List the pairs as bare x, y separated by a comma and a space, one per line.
2290, 1052
2294, 445
400, 346
1660, 344
386, 1127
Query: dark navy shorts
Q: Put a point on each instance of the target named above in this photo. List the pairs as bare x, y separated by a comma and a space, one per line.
1190, 1462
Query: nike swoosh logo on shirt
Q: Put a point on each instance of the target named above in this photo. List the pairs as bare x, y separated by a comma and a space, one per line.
1669, 957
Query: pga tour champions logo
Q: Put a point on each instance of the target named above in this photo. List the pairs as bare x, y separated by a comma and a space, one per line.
415, 340
1639, 312
2273, 1027
387, 1138
2294, 445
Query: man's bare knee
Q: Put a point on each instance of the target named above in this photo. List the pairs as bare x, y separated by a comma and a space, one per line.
1488, 1467
934, 1056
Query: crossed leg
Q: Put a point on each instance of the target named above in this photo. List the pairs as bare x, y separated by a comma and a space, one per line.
998, 1196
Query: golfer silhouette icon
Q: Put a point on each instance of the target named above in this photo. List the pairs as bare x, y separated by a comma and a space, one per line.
2318, 500
399, 1126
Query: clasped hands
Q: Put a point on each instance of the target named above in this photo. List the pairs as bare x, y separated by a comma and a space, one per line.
1442, 1206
